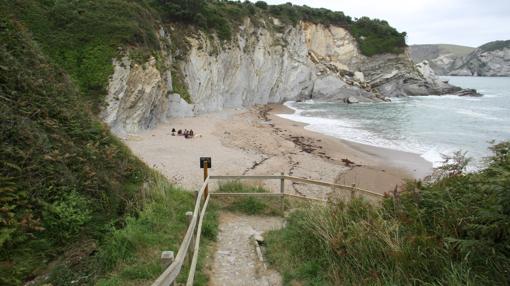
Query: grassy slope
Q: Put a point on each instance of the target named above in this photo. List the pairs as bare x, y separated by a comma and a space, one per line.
496, 45
71, 193
452, 232
82, 37
457, 50
432, 51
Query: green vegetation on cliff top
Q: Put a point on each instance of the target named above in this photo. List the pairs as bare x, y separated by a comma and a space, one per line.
83, 36
496, 45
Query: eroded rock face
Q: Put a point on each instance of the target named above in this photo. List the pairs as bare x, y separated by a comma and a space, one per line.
137, 96
261, 66
491, 59
485, 63
257, 69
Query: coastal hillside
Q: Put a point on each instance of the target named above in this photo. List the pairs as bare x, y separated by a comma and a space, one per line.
441, 57
490, 59
70, 191
153, 60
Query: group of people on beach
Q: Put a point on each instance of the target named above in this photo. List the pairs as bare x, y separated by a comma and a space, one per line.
186, 133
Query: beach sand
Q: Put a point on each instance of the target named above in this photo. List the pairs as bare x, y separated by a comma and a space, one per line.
255, 141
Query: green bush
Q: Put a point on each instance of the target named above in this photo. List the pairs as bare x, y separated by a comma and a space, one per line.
66, 216
261, 4
377, 36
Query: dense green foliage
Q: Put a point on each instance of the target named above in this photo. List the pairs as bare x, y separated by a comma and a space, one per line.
455, 231
82, 37
374, 36
377, 36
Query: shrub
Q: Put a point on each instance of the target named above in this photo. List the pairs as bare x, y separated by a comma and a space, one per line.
66, 216
376, 36
261, 4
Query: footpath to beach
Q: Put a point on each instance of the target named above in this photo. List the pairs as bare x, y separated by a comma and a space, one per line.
235, 261
257, 142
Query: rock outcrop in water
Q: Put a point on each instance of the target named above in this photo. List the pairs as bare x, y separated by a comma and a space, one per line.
262, 65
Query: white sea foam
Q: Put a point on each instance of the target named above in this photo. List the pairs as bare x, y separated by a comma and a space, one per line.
349, 130
428, 125
475, 114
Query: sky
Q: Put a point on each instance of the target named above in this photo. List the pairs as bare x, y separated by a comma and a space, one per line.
462, 22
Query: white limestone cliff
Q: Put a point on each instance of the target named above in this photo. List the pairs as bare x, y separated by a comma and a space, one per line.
270, 64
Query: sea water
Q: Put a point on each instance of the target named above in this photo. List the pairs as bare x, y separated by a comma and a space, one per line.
426, 125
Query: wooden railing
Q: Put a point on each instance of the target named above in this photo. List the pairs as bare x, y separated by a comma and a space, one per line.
193, 233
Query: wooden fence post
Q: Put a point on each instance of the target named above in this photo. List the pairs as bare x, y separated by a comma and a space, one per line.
189, 216
167, 258
206, 174
353, 191
282, 192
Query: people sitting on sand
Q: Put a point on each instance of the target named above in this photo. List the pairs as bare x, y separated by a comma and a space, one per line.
189, 135
173, 131
179, 132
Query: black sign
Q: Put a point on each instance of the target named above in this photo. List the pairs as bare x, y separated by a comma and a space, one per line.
205, 159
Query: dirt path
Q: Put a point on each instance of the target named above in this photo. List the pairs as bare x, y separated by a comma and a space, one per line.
235, 261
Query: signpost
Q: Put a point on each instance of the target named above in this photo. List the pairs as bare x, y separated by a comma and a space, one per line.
205, 163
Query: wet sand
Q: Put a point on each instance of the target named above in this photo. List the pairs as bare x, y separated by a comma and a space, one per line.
256, 141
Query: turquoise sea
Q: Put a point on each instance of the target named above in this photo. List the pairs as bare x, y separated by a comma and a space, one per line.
425, 125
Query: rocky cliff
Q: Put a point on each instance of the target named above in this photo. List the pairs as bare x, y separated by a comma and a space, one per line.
264, 64
442, 58
491, 59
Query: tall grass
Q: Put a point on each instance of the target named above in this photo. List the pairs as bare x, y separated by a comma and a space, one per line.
131, 254
248, 205
454, 231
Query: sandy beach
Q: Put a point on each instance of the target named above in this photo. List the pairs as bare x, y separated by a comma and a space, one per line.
255, 141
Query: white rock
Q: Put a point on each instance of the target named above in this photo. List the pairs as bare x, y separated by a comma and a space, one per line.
359, 76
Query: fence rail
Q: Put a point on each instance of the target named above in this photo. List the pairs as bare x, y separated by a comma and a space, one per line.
193, 233
170, 274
